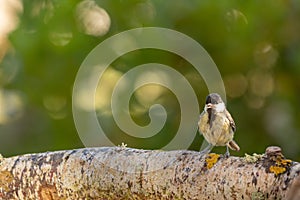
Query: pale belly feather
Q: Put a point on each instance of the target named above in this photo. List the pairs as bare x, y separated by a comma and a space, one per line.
220, 133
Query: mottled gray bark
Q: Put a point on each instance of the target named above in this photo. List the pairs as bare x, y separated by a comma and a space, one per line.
125, 173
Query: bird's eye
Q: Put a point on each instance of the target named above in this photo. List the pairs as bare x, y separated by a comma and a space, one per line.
208, 99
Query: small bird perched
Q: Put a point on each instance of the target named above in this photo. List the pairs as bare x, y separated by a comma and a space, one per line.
217, 125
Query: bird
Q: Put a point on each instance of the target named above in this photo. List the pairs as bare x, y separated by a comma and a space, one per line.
217, 125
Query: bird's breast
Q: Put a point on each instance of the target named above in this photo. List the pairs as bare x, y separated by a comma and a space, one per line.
217, 132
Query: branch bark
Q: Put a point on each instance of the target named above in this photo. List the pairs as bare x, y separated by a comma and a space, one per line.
125, 173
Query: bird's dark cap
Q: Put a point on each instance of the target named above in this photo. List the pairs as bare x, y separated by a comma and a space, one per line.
213, 98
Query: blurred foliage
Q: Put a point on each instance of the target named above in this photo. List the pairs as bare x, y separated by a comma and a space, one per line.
255, 44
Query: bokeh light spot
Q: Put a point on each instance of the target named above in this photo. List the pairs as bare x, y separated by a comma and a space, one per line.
55, 106
265, 55
11, 106
147, 94
60, 38
92, 19
236, 85
261, 83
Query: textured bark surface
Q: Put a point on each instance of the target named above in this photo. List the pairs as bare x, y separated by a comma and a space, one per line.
125, 173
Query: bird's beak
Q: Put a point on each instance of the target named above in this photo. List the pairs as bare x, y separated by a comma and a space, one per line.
209, 105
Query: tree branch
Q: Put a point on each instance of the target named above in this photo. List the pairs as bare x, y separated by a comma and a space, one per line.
125, 173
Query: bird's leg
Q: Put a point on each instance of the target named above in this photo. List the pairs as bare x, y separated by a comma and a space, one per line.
207, 149
227, 154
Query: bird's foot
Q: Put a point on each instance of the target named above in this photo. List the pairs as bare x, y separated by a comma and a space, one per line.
227, 154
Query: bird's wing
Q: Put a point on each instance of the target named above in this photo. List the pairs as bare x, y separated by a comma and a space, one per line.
231, 121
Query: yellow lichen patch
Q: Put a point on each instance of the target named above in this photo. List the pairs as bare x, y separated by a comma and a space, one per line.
5, 179
280, 166
211, 160
277, 170
285, 162
252, 158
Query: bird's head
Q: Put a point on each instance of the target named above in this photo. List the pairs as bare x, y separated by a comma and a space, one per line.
214, 102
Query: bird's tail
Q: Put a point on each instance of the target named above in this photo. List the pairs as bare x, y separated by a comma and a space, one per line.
233, 145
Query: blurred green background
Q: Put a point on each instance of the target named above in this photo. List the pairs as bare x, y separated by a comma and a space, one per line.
255, 44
